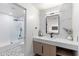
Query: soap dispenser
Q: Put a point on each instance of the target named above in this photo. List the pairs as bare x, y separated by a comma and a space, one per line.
40, 33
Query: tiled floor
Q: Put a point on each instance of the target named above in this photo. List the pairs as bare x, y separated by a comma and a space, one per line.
13, 50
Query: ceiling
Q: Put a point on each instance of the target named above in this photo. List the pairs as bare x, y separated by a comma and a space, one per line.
42, 6
11, 9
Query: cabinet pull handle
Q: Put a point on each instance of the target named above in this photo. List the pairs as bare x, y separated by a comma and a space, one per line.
77, 38
42, 49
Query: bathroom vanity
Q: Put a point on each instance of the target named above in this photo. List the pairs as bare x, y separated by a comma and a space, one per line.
54, 46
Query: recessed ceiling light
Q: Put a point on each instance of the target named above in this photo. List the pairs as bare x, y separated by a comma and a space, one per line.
11, 13
12, 8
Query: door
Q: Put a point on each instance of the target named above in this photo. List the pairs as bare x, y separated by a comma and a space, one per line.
49, 50
37, 47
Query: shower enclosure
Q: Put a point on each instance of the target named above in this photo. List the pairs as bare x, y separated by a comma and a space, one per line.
12, 29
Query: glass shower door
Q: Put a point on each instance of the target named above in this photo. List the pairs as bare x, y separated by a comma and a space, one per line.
12, 17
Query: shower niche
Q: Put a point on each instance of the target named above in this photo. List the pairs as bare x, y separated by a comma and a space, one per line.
12, 24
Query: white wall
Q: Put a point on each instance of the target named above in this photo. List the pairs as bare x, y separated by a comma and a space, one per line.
65, 13
32, 20
75, 22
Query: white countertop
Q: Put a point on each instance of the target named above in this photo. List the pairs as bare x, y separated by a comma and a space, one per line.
58, 42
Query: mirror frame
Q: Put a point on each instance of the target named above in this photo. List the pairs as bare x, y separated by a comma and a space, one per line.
58, 24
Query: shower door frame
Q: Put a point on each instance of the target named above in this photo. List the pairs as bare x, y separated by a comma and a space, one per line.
24, 25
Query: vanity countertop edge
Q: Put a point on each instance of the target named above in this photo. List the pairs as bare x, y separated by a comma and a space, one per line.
57, 42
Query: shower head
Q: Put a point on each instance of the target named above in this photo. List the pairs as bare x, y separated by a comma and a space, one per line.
17, 20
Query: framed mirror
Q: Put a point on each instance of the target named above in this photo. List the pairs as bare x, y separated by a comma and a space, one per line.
52, 24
